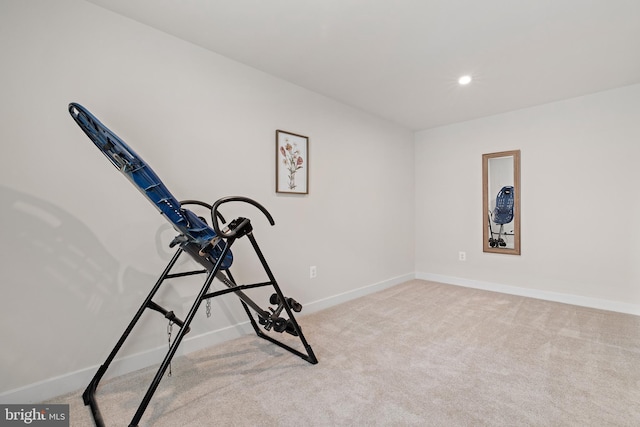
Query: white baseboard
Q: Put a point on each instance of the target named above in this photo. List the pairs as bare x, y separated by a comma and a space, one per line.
68, 383
314, 306
57, 386
602, 304
52, 387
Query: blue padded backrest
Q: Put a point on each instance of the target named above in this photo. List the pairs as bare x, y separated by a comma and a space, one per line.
503, 212
145, 179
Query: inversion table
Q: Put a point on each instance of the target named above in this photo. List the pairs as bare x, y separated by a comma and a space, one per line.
208, 245
502, 214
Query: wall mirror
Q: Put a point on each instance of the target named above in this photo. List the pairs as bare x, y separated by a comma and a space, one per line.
501, 202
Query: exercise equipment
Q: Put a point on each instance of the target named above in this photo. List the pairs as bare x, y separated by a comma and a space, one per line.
502, 214
209, 245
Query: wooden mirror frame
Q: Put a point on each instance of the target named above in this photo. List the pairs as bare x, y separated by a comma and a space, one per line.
486, 198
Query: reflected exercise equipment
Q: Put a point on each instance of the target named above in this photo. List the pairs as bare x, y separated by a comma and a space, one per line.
501, 202
209, 245
502, 214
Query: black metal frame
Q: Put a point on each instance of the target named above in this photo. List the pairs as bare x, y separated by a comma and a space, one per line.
497, 242
213, 269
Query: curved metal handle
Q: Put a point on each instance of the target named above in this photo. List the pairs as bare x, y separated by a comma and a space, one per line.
216, 205
203, 204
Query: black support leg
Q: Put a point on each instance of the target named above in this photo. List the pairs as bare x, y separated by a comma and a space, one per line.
89, 394
174, 347
310, 356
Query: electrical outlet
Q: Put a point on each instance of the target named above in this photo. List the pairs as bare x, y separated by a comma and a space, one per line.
462, 256
313, 272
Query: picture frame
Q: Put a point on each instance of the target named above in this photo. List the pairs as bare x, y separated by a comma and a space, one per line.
292, 163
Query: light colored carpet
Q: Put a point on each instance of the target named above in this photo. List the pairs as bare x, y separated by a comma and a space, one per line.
420, 353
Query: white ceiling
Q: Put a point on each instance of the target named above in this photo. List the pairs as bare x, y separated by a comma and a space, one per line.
400, 59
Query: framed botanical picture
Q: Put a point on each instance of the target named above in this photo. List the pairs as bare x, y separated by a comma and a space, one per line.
292, 163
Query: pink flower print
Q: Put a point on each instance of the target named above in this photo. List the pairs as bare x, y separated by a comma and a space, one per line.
292, 161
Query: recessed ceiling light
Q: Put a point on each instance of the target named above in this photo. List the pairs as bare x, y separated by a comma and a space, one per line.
464, 80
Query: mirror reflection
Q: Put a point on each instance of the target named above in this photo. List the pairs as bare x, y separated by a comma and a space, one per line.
501, 202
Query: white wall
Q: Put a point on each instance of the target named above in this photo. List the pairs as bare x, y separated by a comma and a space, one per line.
80, 247
580, 205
